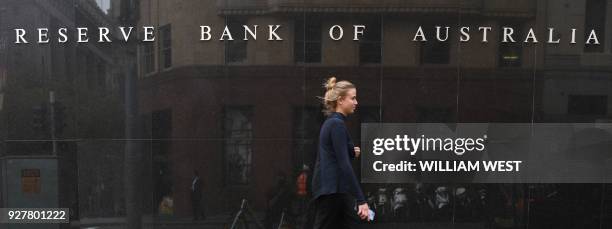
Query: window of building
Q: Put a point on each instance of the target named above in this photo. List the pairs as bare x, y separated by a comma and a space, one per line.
100, 79
238, 141
307, 122
595, 19
510, 53
307, 47
3, 60
4, 35
161, 131
432, 50
148, 57
92, 75
236, 50
2, 80
587, 104
370, 44
166, 46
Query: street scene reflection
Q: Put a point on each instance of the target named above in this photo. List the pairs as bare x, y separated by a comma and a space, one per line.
182, 132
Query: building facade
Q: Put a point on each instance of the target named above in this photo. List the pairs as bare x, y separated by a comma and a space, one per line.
245, 113
63, 101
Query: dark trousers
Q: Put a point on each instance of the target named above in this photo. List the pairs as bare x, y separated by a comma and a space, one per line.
198, 209
335, 211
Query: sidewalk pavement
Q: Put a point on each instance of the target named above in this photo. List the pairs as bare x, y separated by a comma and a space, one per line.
224, 221
217, 221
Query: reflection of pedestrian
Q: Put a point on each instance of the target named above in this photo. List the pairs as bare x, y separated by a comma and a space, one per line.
301, 191
302, 183
166, 206
196, 197
335, 186
303, 194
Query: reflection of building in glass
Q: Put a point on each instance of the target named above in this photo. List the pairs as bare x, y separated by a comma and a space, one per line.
207, 84
238, 140
245, 114
55, 95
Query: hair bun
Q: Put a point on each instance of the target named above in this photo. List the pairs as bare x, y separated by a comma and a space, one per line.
331, 82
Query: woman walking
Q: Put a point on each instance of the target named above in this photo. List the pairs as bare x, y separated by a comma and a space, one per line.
335, 186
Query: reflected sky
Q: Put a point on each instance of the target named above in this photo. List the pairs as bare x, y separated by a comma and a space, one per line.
104, 5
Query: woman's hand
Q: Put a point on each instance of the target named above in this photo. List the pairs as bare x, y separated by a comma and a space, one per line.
357, 152
364, 211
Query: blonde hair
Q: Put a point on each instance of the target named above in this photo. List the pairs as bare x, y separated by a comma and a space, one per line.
333, 92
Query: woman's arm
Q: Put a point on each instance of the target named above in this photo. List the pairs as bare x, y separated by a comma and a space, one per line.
339, 137
351, 149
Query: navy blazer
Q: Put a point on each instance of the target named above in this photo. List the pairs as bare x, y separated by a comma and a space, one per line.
333, 172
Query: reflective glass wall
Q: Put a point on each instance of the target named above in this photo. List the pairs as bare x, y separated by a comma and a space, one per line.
178, 131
